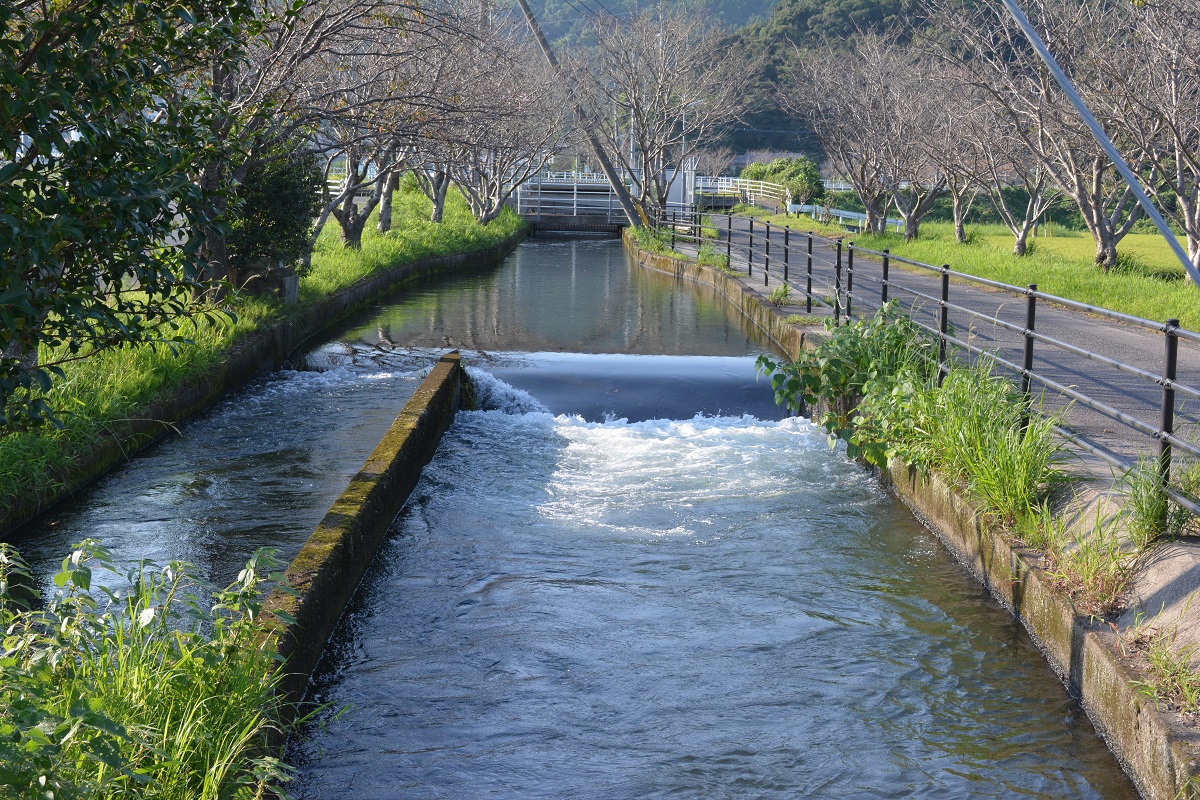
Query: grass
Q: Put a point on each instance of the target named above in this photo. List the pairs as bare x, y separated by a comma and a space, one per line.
1092, 566
1171, 677
100, 392
1148, 282
141, 691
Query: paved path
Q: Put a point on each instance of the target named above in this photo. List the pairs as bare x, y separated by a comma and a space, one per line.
920, 290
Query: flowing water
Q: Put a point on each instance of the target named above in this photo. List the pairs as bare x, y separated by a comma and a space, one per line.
630, 577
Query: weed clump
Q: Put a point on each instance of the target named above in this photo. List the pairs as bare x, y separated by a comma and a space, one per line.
138, 691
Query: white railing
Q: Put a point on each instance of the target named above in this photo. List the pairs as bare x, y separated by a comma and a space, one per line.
823, 214
750, 190
570, 177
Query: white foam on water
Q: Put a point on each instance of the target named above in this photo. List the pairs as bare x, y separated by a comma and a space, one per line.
493, 394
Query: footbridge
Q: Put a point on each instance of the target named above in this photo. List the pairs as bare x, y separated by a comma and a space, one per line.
584, 201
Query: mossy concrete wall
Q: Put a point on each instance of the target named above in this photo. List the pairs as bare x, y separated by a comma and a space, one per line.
1159, 754
326, 572
249, 357
1157, 751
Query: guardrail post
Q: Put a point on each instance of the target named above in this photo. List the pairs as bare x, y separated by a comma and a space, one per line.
883, 285
1170, 364
750, 251
729, 240
767, 257
849, 281
808, 282
786, 251
943, 323
837, 285
1027, 363
674, 219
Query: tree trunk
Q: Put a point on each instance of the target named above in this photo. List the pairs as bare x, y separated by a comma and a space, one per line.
1021, 242
352, 230
385, 203
1106, 251
440, 185
961, 207
213, 253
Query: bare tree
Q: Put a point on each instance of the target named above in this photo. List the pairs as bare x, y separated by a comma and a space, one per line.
1006, 164
714, 161
660, 83
1146, 83
1000, 62
519, 124
849, 108
911, 124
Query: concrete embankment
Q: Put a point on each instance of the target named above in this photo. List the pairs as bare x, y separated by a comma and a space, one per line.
1159, 749
253, 355
325, 573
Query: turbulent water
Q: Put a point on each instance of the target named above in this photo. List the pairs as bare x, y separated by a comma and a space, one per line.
629, 577
709, 607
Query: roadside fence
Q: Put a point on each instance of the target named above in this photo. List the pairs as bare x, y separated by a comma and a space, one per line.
1125, 395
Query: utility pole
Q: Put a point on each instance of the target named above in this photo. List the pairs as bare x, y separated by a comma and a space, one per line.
635, 215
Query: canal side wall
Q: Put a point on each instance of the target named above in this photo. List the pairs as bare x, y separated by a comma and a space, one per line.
253, 355
752, 303
325, 573
1159, 752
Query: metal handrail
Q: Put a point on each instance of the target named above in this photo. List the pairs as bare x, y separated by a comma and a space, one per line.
754, 256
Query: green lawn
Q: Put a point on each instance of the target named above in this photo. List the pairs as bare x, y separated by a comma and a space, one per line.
120, 384
1149, 282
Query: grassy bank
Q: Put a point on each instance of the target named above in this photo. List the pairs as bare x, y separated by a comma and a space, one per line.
1149, 282
110, 388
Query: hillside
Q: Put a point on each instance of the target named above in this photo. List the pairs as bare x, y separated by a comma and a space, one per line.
565, 22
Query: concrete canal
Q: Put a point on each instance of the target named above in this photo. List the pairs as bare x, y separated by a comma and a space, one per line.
628, 576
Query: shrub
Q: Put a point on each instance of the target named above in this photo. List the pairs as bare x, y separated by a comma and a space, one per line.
274, 209
138, 692
876, 382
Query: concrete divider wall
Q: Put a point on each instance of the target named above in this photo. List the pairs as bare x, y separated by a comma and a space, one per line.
263, 350
1159, 752
326, 572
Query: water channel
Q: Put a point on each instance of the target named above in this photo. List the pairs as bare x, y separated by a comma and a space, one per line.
628, 577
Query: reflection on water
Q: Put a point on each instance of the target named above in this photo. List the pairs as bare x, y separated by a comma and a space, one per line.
713, 607
576, 296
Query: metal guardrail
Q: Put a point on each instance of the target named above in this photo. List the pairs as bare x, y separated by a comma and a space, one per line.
792, 264
750, 191
537, 200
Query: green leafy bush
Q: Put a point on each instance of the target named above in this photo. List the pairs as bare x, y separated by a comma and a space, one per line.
138, 691
875, 383
274, 209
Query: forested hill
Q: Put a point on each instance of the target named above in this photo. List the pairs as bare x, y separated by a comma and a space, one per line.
766, 29
803, 22
566, 22
800, 23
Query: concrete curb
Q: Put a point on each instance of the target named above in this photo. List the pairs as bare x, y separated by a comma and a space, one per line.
325, 573
246, 359
1161, 755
